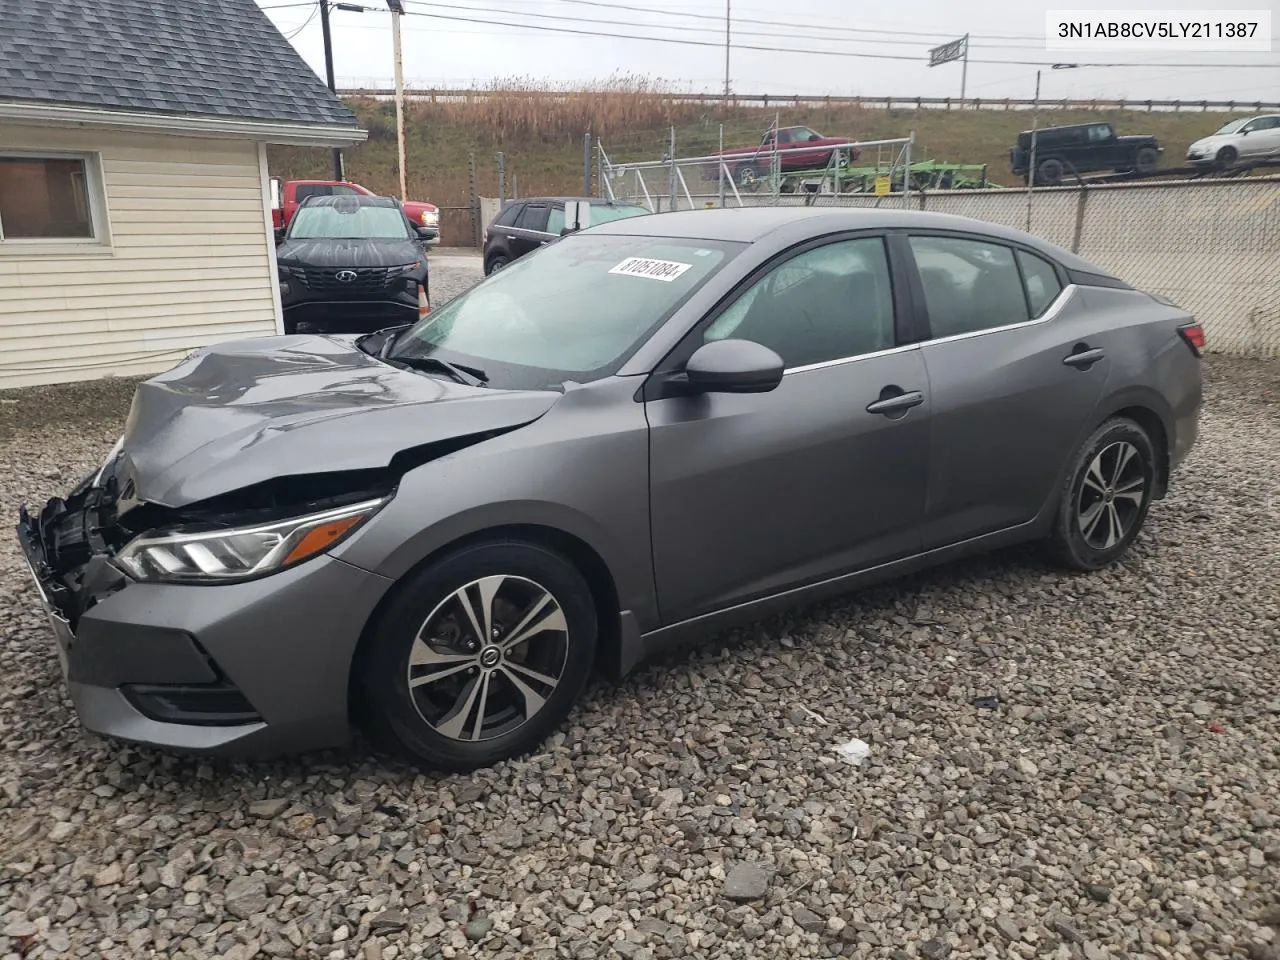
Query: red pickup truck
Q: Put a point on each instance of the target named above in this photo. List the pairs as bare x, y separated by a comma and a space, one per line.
287, 194
799, 148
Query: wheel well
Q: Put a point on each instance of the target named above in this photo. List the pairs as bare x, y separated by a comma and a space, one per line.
579, 553
1150, 421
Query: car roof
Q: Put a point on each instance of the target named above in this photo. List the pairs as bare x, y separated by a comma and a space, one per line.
751, 224
347, 200
1069, 126
597, 201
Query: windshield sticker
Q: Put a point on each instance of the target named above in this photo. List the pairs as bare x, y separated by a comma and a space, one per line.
664, 270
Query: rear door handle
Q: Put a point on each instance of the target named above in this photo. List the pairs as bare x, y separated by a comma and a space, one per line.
1083, 359
896, 403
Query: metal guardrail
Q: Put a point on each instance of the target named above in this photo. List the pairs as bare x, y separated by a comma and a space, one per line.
871, 103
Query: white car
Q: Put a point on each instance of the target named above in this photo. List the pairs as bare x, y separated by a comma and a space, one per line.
1250, 139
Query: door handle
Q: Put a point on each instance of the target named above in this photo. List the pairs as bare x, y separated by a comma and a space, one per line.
895, 402
510, 236
1083, 359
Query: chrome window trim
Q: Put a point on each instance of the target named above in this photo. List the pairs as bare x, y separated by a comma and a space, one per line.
1056, 307
854, 359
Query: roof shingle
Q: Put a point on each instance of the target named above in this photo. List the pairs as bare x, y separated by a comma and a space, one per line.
211, 58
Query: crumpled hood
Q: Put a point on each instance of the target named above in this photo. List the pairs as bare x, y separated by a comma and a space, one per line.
247, 411
348, 253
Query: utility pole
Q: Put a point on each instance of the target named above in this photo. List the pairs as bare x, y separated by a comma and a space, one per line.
328, 70
397, 9
586, 164
964, 70
728, 21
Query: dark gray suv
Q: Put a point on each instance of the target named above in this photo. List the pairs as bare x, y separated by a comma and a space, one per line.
638, 435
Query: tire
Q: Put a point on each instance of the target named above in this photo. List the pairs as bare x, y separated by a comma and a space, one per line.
746, 176
1146, 160
516, 696
496, 263
1050, 172
1227, 158
1093, 499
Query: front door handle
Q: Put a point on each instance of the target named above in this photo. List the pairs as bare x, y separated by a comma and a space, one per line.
1083, 358
893, 400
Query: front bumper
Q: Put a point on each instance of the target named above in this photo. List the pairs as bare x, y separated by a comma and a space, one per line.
247, 670
347, 316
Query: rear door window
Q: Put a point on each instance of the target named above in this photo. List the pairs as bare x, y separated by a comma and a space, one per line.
969, 285
1041, 281
533, 217
507, 217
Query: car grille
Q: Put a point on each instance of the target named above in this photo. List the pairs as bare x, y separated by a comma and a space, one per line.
367, 279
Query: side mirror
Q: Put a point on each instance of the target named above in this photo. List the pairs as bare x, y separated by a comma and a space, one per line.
734, 366
279, 232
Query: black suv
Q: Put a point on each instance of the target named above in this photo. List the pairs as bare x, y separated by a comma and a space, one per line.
1082, 148
352, 265
524, 225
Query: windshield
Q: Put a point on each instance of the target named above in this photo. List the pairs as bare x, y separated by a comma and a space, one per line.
1235, 125
573, 310
354, 222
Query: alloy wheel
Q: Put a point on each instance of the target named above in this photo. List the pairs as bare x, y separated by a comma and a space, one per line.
488, 658
1112, 493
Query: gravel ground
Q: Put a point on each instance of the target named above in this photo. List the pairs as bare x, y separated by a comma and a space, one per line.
1117, 796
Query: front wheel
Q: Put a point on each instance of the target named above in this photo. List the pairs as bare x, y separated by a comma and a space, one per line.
1104, 500
480, 655
1227, 158
1146, 161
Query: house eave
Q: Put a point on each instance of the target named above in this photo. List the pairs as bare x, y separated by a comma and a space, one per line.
263, 131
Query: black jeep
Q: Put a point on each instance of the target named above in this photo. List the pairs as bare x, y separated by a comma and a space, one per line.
1082, 148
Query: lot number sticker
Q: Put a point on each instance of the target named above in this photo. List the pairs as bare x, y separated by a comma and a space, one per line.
664, 270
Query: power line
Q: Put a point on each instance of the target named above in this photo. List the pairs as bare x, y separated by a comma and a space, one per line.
702, 30
780, 23
307, 22
768, 49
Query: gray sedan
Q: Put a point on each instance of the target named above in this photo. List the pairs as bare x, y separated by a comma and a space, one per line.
634, 437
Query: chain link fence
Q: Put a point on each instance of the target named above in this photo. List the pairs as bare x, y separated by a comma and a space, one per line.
1211, 246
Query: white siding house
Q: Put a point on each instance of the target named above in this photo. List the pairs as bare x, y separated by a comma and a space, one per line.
129, 236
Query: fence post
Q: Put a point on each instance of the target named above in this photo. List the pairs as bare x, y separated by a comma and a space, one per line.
1080, 202
671, 170
586, 164
473, 199
600, 168
502, 180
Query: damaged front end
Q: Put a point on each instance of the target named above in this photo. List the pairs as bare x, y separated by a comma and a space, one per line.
69, 544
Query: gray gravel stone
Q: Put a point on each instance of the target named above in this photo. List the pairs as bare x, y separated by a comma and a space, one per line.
745, 882
269, 809
721, 757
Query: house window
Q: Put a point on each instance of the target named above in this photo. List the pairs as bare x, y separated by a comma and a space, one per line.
45, 198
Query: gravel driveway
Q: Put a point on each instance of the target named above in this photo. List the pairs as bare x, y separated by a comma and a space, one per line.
1060, 766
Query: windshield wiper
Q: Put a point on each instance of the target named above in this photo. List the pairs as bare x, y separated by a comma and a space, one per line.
471, 376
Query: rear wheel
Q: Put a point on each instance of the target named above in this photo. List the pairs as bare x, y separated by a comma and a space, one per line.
1105, 497
480, 655
747, 176
1049, 173
496, 263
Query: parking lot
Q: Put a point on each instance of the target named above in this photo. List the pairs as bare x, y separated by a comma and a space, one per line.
1060, 766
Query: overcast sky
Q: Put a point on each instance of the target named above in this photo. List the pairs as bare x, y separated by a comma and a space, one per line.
470, 42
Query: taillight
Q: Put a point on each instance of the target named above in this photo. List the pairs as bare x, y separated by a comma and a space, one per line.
1193, 336
424, 304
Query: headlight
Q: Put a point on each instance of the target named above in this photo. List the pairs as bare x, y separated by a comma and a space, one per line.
240, 553
431, 218
411, 268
